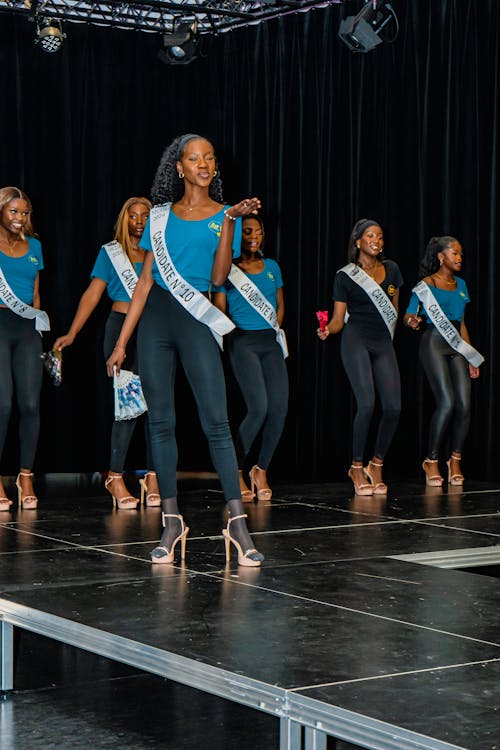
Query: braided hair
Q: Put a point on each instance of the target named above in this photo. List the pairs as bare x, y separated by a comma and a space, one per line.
430, 262
167, 185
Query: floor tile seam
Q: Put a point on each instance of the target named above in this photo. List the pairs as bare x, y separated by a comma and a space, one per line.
458, 528
385, 618
409, 673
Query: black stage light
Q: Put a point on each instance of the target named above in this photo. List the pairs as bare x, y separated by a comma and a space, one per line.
49, 34
361, 33
180, 47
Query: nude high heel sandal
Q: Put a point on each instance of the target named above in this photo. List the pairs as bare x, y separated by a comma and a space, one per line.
150, 499
5, 503
434, 480
361, 488
246, 495
454, 479
28, 502
161, 554
262, 494
251, 558
379, 488
122, 503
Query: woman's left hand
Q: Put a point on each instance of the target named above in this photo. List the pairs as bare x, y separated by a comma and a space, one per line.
245, 207
473, 372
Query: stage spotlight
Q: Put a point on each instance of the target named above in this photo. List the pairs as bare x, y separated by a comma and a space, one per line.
180, 47
49, 34
361, 33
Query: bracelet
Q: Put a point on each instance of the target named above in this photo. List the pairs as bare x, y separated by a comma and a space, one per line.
226, 213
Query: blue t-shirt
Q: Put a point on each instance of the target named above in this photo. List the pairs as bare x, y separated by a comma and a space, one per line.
192, 246
452, 302
241, 312
20, 273
105, 270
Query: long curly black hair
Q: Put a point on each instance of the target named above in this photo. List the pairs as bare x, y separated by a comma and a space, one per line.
430, 262
167, 185
358, 230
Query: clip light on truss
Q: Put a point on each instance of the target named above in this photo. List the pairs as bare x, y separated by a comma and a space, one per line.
163, 16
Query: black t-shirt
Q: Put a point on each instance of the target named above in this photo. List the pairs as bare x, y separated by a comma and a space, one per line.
362, 312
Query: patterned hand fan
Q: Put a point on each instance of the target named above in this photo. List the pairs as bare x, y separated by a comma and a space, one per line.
129, 398
52, 362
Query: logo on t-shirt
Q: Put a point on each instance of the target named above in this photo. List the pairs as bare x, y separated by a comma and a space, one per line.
33, 259
215, 227
270, 275
391, 290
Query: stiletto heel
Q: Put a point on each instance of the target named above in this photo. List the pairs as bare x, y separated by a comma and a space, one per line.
379, 488
5, 503
244, 558
163, 554
28, 502
246, 495
360, 489
150, 499
122, 503
454, 479
263, 494
435, 480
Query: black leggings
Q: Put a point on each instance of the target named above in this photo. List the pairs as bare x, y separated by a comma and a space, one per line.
20, 367
370, 364
449, 378
122, 431
167, 331
259, 368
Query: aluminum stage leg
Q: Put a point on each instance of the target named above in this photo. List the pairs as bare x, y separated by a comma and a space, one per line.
6, 656
290, 735
315, 740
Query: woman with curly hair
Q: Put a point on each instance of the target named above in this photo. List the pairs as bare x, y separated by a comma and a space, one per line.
21, 322
189, 244
366, 293
254, 295
448, 360
116, 271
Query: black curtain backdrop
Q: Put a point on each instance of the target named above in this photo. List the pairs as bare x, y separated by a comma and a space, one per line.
406, 134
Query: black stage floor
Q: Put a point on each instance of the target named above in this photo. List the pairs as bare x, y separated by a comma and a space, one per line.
360, 624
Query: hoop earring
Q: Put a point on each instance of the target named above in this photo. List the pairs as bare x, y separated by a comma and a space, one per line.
215, 174
181, 175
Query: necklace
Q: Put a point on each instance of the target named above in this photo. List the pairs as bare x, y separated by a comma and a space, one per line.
11, 247
372, 268
450, 283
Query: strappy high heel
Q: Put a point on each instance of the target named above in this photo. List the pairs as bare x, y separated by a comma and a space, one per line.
161, 554
150, 499
28, 502
263, 494
246, 495
122, 503
5, 503
434, 480
251, 558
360, 488
454, 479
379, 488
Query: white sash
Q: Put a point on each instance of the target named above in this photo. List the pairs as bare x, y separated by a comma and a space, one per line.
443, 325
376, 294
21, 308
122, 265
192, 300
259, 303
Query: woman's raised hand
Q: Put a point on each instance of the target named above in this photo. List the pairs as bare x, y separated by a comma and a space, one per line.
244, 208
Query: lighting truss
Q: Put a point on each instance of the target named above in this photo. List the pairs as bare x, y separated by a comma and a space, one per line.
163, 16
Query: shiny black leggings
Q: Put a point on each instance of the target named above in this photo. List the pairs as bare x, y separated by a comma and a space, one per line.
122, 431
448, 376
167, 332
20, 368
371, 366
259, 368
